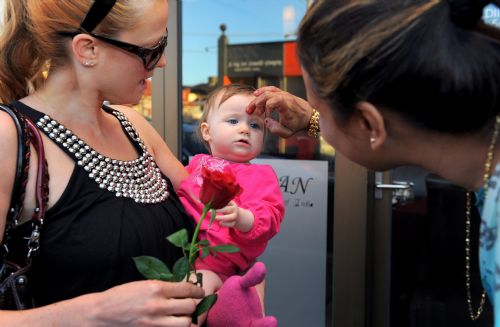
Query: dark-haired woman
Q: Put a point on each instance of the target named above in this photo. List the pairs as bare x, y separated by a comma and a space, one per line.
405, 83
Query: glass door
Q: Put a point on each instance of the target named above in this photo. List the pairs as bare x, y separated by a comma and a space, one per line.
418, 276
253, 42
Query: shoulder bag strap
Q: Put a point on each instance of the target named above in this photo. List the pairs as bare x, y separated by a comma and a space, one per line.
41, 188
28, 133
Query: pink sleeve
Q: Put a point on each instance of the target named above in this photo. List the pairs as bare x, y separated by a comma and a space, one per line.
192, 164
188, 188
262, 196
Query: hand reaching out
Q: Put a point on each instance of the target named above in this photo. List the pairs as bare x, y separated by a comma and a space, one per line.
233, 216
150, 302
294, 112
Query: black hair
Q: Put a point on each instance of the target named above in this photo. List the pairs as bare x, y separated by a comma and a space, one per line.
430, 61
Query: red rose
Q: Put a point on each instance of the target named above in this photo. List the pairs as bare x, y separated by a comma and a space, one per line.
218, 188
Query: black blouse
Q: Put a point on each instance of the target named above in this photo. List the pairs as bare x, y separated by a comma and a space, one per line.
91, 234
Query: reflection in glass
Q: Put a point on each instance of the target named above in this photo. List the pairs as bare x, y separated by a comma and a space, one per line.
267, 57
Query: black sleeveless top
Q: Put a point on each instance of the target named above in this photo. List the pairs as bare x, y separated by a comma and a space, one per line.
110, 212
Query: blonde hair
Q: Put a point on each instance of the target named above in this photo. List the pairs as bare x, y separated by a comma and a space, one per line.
30, 43
216, 98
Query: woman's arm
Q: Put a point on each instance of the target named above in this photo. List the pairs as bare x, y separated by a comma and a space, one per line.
142, 303
8, 161
261, 197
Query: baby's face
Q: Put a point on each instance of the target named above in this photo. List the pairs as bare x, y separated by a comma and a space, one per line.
231, 133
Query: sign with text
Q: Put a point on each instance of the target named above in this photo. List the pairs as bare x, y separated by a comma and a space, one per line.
296, 257
249, 60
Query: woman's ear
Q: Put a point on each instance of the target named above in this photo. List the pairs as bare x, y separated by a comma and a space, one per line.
205, 131
85, 49
372, 124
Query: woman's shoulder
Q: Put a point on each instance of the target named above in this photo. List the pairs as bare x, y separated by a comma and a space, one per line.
8, 157
8, 132
144, 129
133, 116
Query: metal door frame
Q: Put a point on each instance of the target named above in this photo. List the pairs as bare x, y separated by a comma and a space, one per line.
361, 250
166, 86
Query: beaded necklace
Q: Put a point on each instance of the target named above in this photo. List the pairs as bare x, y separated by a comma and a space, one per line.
139, 179
487, 170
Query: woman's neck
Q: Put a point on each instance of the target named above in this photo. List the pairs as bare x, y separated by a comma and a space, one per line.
459, 159
62, 98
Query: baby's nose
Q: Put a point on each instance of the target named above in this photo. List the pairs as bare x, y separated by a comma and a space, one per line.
244, 128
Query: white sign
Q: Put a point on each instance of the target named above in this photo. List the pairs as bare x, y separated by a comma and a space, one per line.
296, 257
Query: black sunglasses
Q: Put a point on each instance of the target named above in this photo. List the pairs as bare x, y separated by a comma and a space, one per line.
96, 13
149, 56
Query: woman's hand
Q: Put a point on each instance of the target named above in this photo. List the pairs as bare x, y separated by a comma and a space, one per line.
147, 303
233, 216
141, 303
294, 112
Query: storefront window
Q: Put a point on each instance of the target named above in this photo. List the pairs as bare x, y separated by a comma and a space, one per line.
260, 47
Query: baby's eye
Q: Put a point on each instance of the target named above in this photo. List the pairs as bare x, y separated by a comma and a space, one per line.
232, 121
255, 126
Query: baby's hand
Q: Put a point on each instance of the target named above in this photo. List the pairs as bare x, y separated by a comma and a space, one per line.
233, 216
228, 215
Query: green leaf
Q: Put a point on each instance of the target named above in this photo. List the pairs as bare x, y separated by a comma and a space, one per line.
227, 248
152, 268
180, 269
205, 252
179, 238
203, 306
204, 243
212, 217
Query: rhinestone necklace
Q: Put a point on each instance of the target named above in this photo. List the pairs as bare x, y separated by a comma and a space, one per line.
139, 179
487, 170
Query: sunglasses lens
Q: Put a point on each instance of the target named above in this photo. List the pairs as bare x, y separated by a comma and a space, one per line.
155, 55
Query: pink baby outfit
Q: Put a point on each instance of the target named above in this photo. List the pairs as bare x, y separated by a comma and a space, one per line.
261, 195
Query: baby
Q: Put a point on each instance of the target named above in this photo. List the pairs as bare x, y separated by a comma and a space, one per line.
253, 217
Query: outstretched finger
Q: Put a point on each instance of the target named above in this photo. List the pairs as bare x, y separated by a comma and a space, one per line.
263, 89
179, 307
175, 321
267, 102
226, 217
252, 106
259, 105
230, 207
182, 290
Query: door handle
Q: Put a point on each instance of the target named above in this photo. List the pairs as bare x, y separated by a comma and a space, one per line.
401, 191
394, 186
